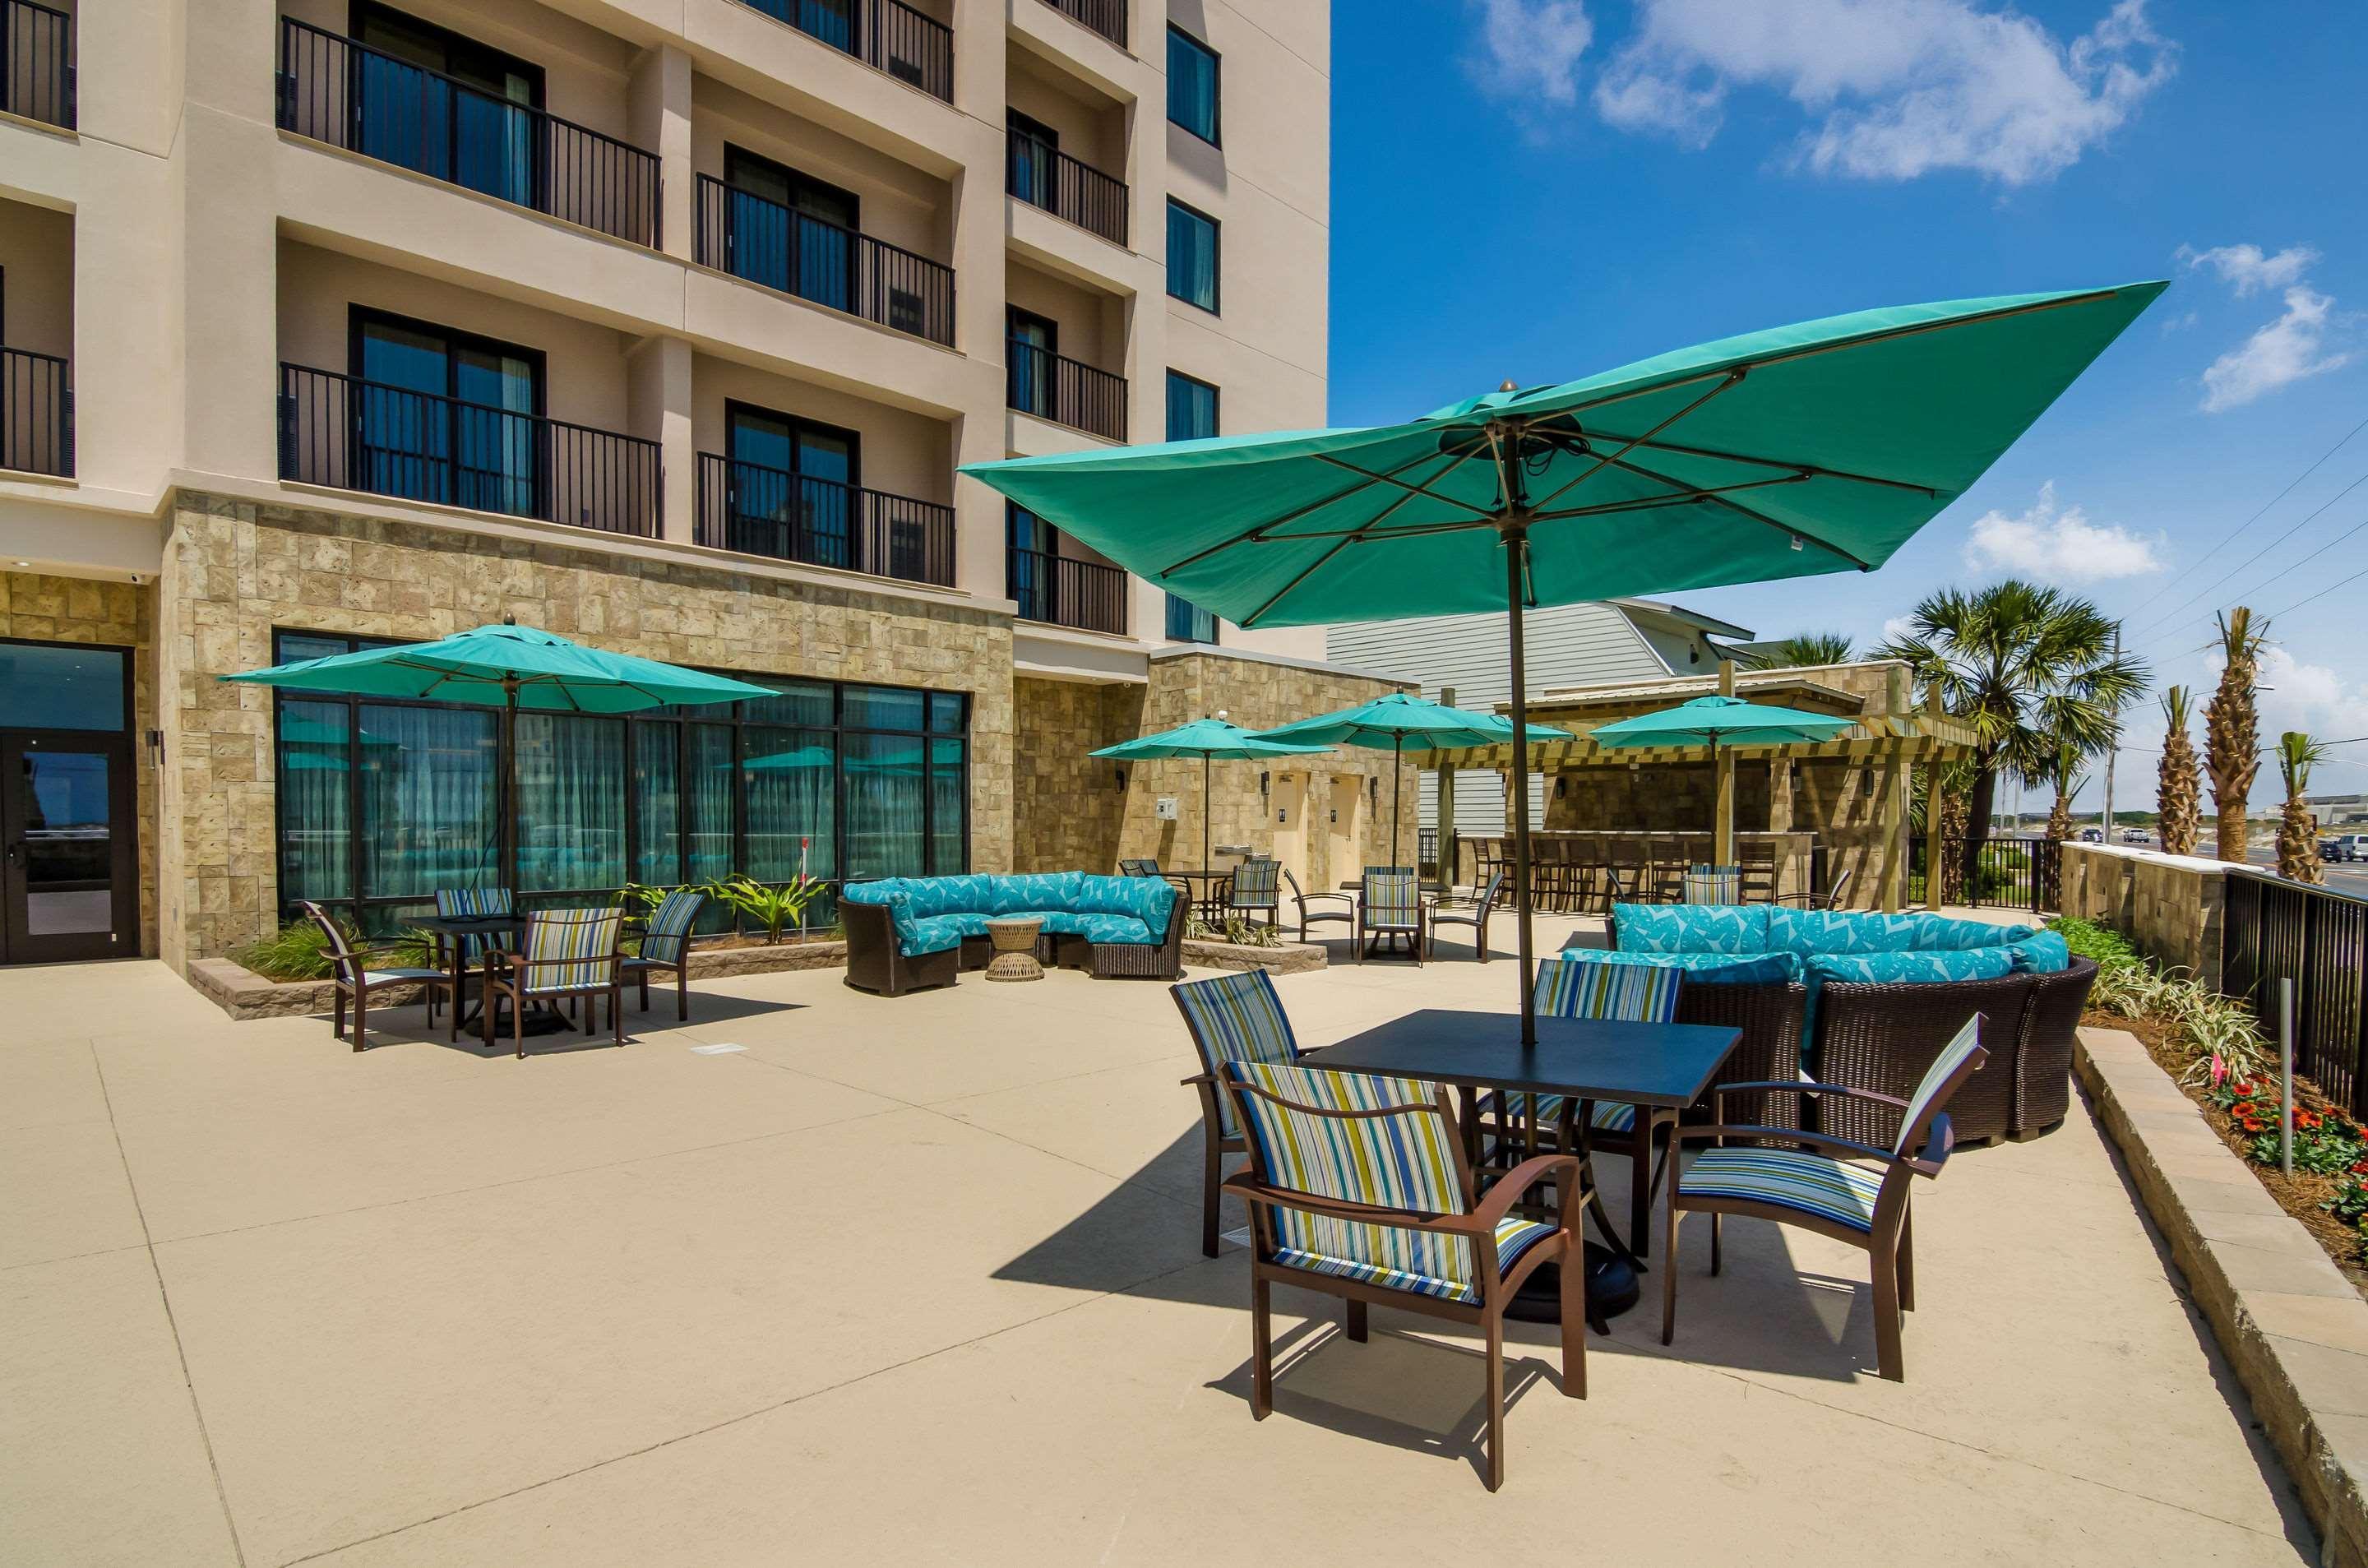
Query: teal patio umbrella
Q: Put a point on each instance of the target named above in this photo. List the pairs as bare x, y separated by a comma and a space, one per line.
1403, 722
1718, 722
1803, 449
1206, 739
511, 667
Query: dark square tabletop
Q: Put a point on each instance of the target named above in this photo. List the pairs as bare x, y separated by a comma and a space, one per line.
470, 925
1666, 1066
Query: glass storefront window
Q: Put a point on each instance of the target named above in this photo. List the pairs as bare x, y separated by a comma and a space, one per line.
61, 686
657, 804
791, 785
315, 777
884, 707
571, 802
884, 806
429, 796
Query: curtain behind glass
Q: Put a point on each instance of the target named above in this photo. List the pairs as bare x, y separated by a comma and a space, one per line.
713, 781
884, 805
949, 804
1192, 258
314, 773
430, 796
657, 805
790, 794
571, 802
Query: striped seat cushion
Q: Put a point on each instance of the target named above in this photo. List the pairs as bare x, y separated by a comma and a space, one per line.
1235, 1017
1609, 1115
1253, 885
1514, 1237
466, 902
1576, 987
669, 928
1811, 1183
582, 941
1967, 1040
1390, 903
1714, 884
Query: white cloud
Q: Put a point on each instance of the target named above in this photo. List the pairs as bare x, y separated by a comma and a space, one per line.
2247, 270
1898, 628
2314, 698
1529, 50
1898, 88
2057, 544
2287, 349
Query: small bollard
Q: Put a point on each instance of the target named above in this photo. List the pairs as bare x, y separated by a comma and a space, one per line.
2285, 1077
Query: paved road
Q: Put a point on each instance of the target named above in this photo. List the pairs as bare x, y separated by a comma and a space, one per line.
2342, 875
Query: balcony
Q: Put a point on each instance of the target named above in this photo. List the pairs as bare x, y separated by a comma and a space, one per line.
1042, 176
1062, 590
36, 414
1065, 391
756, 238
348, 433
37, 69
1106, 17
353, 97
883, 34
759, 510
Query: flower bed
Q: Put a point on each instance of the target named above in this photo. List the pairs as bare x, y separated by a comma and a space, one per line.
2214, 1049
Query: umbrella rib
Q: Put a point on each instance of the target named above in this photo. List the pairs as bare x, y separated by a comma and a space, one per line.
1734, 378
1362, 531
1422, 489
1736, 507
1258, 530
1654, 503
1814, 470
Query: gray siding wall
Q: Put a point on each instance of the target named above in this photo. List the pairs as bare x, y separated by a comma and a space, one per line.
1565, 645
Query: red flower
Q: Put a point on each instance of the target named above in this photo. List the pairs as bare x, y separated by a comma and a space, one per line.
2359, 1167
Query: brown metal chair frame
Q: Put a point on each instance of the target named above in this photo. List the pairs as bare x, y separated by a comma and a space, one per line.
1367, 936
1478, 1224
1830, 899
509, 975
1474, 912
1888, 1244
1346, 916
1757, 856
349, 970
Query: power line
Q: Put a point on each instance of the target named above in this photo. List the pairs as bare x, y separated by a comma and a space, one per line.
2264, 551
2249, 522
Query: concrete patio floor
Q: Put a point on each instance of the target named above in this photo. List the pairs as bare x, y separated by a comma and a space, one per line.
919, 1280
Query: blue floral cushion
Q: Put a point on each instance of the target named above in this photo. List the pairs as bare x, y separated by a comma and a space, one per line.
1889, 968
940, 933
1713, 968
1690, 927
2046, 952
1808, 931
932, 914
1941, 933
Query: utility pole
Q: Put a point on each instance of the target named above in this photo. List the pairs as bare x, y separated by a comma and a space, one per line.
2115, 751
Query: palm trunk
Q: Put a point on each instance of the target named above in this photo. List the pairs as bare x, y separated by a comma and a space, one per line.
1977, 829
2298, 844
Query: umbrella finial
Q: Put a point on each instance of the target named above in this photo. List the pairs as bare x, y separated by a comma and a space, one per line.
508, 618
1508, 386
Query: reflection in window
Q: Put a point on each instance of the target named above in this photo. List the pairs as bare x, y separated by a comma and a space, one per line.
571, 802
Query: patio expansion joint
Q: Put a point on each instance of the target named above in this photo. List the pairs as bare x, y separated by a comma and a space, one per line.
747, 1415
172, 1322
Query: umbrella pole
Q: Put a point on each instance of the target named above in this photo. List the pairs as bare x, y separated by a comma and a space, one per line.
1204, 811
1397, 786
1517, 546
505, 835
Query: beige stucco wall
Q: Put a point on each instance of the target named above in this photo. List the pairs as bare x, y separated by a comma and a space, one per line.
1092, 128
37, 269
903, 453
899, 203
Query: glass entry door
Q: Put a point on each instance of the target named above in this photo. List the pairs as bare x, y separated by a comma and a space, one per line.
68, 858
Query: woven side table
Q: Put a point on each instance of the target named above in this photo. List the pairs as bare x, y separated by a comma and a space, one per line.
1015, 950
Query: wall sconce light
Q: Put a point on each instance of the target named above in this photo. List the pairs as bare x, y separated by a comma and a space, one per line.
1866, 779
1122, 777
1374, 790
1265, 778
1561, 787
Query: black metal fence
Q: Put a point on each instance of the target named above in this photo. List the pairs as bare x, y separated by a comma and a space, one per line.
761, 510
349, 434
1106, 17
1042, 176
36, 414
2274, 930
2010, 873
36, 63
364, 100
883, 34
1062, 590
756, 238
1066, 390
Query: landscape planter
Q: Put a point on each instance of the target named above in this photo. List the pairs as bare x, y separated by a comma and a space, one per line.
1290, 957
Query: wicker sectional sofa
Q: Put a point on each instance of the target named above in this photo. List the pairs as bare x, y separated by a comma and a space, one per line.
910, 933
1878, 995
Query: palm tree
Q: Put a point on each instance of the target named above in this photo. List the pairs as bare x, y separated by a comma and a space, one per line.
2067, 777
2231, 728
2029, 668
2178, 794
1803, 647
2297, 829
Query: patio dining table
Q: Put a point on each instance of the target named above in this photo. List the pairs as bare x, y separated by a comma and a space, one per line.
1206, 891
1662, 1069
455, 930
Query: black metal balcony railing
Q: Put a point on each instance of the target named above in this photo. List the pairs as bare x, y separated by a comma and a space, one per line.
351, 96
1064, 591
883, 34
1042, 176
1106, 17
1044, 383
37, 68
761, 510
759, 239
349, 434
36, 414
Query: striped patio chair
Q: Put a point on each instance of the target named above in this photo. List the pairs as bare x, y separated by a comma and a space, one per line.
570, 954
351, 971
1256, 888
1853, 1192
1573, 987
1358, 1189
1714, 884
666, 947
1391, 907
462, 904
1232, 1017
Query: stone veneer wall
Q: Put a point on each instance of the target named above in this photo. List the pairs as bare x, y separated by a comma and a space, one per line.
1067, 806
1257, 694
2174, 907
233, 572
41, 609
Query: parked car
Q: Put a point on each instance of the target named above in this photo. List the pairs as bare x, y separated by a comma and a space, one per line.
2344, 847
2136, 836
2092, 835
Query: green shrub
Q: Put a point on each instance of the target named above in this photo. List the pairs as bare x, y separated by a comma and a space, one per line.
2101, 944
2204, 1025
298, 951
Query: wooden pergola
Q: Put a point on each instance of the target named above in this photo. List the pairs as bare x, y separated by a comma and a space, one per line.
1891, 736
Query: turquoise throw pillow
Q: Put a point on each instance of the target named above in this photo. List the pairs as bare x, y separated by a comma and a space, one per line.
1690, 927
2044, 953
1708, 968
1891, 969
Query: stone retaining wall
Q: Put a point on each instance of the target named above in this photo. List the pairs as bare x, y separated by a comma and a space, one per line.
2171, 906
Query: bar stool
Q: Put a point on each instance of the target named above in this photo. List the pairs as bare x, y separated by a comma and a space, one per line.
1667, 855
1624, 868
1756, 857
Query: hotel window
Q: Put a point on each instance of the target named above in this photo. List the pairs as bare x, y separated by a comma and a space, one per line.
445, 416
1187, 622
382, 802
430, 99
1191, 257
1191, 85
1191, 408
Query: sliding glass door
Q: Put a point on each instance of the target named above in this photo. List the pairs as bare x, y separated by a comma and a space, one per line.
447, 417
446, 104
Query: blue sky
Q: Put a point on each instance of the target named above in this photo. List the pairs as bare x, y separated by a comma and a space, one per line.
1540, 188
